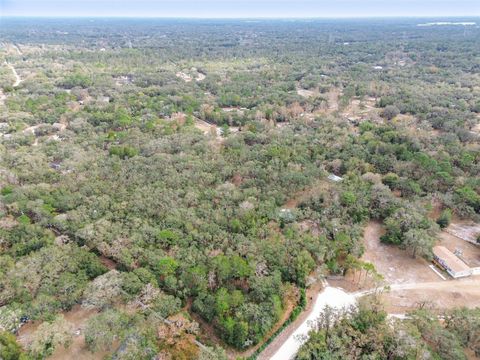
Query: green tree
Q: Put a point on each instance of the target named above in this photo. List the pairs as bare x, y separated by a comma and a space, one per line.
419, 241
104, 329
445, 218
9, 348
49, 336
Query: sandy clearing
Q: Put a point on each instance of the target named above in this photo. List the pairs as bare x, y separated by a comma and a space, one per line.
333, 98
439, 295
183, 76
360, 108
476, 128
396, 265
57, 126
77, 317
208, 128
305, 93
8, 222
31, 129
412, 282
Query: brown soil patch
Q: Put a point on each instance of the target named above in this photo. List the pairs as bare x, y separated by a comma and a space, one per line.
348, 283
305, 93
303, 195
470, 354
360, 108
78, 318
396, 265
8, 222
206, 127
333, 97
438, 294
436, 210
109, 263
466, 231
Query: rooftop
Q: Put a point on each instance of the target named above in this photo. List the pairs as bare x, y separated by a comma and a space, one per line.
450, 259
335, 178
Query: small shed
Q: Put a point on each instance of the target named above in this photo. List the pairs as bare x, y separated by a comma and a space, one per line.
450, 262
334, 178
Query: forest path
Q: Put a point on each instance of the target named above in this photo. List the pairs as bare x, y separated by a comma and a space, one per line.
18, 80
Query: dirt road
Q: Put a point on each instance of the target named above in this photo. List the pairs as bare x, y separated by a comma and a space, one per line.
330, 296
18, 80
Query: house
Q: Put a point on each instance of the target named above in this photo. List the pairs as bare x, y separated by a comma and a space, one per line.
450, 262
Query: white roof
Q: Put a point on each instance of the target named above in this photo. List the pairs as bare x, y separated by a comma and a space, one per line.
450, 259
334, 177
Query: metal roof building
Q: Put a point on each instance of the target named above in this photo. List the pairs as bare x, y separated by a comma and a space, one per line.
451, 262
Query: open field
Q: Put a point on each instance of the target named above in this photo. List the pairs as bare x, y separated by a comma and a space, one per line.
396, 265
439, 295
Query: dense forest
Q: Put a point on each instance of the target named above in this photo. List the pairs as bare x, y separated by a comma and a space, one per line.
148, 168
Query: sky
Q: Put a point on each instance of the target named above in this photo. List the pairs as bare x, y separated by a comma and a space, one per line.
241, 8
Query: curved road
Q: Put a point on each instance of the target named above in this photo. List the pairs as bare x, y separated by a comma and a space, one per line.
338, 298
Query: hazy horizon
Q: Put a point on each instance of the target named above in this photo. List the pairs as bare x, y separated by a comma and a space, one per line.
244, 9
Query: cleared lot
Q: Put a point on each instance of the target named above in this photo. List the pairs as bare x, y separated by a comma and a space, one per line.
439, 295
412, 282
396, 265
465, 231
77, 318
